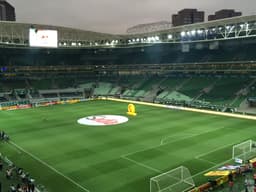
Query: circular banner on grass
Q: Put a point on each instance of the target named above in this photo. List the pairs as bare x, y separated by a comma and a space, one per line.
102, 120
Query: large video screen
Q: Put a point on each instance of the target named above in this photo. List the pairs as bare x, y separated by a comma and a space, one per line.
43, 38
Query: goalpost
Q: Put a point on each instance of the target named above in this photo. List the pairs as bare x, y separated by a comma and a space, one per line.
243, 151
175, 180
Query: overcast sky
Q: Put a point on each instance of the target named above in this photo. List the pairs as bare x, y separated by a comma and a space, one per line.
115, 16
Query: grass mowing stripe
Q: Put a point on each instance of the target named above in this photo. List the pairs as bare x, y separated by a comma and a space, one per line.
141, 164
14, 147
175, 138
50, 167
201, 159
160, 145
222, 147
92, 156
217, 165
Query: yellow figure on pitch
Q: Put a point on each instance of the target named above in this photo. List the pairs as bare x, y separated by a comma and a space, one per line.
131, 110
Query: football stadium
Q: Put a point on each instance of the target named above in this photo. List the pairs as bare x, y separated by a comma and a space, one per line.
166, 111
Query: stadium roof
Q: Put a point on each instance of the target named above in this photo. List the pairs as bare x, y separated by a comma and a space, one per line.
13, 30
19, 29
209, 24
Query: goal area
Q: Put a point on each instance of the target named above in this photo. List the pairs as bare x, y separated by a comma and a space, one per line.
175, 180
244, 151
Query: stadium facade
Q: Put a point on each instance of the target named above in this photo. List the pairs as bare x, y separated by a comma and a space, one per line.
205, 65
217, 48
228, 40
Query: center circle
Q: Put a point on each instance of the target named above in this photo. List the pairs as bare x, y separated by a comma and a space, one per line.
102, 120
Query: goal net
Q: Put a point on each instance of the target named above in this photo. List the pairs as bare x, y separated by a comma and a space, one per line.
243, 151
175, 180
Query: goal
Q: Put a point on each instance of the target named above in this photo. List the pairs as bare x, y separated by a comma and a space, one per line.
243, 151
175, 180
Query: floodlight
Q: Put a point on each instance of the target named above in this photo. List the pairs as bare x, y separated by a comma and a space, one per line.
169, 36
183, 33
199, 31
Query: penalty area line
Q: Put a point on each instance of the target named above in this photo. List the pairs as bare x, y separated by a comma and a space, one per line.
49, 166
158, 146
217, 165
141, 164
216, 149
184, 136
187, 136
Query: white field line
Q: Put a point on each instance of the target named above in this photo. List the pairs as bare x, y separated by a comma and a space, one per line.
184, 108
216, 149
49, 166
217, 165
154, 147
173, 136
14, 147
142, 164
190, 136
201, 159
156, 170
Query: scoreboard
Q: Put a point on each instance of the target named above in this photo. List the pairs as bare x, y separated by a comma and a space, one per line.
43, 38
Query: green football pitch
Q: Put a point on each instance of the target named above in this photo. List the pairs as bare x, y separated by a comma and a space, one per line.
68, 157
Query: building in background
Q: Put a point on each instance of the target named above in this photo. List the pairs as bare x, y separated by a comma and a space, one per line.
149, 27
7, 11
187, 16
224, 13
